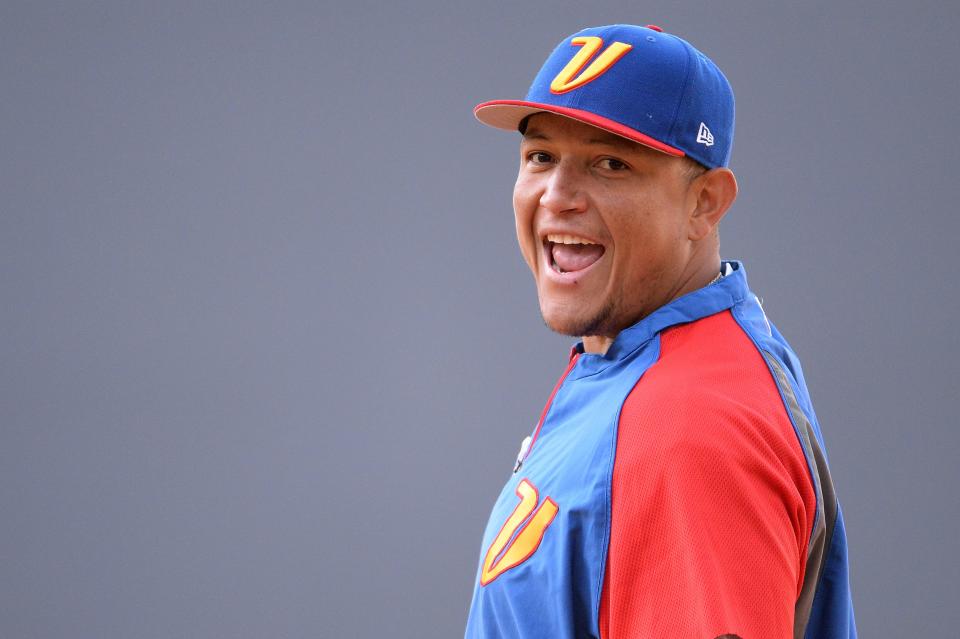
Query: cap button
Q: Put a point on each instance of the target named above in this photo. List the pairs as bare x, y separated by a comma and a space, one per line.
655, 28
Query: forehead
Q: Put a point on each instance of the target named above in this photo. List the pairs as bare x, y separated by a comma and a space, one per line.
552, 127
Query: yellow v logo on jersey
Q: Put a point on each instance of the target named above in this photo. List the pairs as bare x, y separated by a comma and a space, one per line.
503, 553
565, 80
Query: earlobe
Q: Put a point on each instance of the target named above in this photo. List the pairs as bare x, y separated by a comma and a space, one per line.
715, 191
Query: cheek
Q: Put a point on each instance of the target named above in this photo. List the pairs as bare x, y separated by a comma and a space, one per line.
524, 199
644, 236
524, 207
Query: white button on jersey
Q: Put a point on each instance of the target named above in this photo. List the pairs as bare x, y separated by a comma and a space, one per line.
524, 449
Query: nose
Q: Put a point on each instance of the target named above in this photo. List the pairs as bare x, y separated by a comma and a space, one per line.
563, 191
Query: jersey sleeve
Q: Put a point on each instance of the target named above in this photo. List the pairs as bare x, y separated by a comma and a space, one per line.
711, 505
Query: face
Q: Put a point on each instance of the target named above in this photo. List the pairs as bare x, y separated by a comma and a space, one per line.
602, 223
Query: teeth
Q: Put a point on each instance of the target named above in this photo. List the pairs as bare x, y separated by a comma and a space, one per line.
559, 238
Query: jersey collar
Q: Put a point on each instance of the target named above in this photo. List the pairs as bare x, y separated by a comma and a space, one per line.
719, 296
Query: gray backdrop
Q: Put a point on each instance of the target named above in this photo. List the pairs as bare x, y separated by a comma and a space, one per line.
268, 348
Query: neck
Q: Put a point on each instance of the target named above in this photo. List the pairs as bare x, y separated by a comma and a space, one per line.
599, 344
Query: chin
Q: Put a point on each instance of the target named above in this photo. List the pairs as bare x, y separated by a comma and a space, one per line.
575, 322
563, 327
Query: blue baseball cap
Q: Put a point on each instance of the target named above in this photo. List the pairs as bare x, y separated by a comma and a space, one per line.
637, 82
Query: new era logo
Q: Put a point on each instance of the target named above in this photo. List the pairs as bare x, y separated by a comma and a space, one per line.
704, 136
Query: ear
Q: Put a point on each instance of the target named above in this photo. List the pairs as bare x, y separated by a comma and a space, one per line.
712, 192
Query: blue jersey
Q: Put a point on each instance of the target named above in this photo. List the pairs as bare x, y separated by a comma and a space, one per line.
675, 486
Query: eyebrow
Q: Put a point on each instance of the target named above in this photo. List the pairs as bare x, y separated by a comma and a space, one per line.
534, 135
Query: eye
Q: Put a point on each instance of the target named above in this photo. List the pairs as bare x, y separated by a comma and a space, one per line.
613, 164
539, 157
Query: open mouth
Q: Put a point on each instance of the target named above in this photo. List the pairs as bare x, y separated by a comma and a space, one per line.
571, 253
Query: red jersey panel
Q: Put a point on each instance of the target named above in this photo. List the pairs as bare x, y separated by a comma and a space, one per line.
712, 502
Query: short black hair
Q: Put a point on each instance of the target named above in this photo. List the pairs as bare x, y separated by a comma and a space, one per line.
522, 127
693, 169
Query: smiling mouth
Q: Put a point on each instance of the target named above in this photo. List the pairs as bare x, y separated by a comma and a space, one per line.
571, 253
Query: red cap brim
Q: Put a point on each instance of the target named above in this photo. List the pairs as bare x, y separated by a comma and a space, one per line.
506, 114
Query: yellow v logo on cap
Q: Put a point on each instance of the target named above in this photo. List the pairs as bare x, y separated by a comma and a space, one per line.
565, 80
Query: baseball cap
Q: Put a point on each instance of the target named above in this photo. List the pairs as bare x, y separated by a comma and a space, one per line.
636, 82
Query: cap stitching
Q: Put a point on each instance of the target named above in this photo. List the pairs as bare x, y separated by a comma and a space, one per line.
683, 91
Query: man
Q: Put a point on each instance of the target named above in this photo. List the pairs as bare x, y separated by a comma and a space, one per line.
676, 484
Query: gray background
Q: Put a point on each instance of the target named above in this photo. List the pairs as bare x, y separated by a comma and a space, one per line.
268, 348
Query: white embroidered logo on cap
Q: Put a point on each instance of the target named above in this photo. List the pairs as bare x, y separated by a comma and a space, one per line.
704, 136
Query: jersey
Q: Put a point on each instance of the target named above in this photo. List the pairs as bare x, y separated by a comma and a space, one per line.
675, 486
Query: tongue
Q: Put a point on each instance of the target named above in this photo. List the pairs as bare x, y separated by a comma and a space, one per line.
574, 257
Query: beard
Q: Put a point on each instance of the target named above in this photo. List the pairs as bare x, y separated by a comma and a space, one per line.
600, 323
